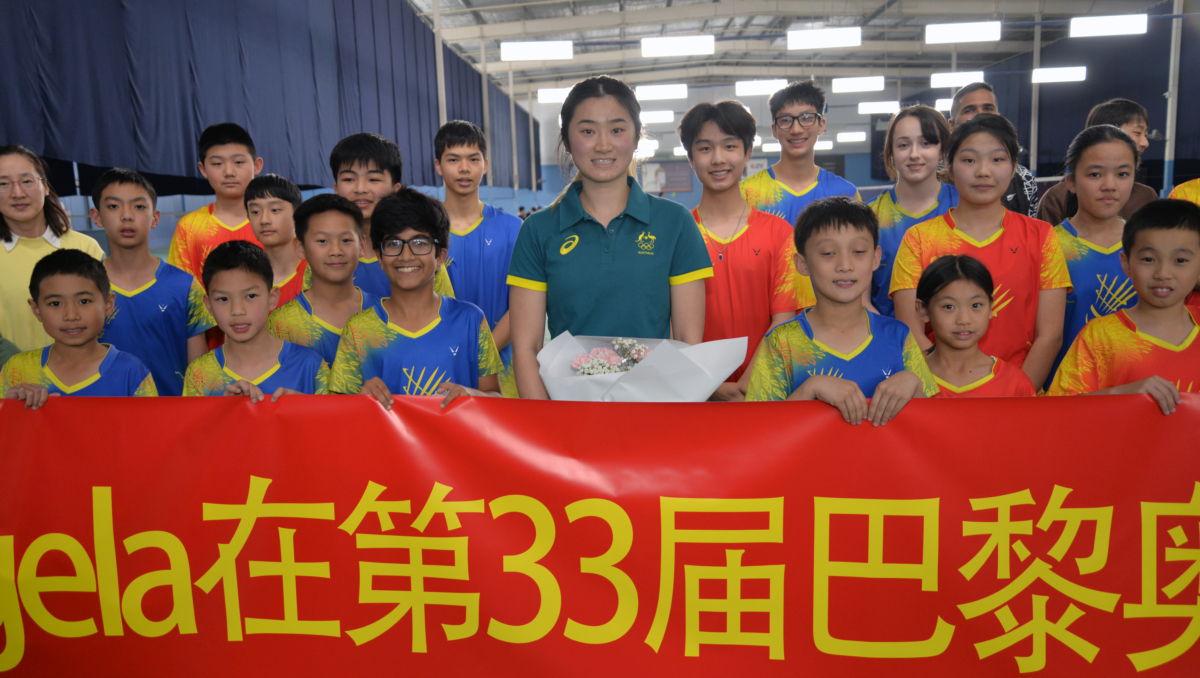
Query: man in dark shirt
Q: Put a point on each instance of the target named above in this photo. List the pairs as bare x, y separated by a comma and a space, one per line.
980, 97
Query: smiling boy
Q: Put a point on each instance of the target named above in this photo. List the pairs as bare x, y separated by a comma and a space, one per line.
271, 201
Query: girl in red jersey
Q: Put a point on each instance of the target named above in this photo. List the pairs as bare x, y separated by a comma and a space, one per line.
955, 296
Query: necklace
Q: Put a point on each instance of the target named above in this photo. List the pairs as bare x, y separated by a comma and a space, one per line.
736, 228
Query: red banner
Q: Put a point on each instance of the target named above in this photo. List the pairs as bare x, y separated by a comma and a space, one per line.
323, 535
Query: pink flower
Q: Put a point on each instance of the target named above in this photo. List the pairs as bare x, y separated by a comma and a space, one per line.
580, 360
607, 355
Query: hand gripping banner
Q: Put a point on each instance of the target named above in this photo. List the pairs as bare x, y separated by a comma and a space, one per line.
326, 536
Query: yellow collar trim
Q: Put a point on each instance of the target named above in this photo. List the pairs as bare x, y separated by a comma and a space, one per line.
75, 387
139, 290
403, 332
368, 261
1102, 250
1163, 344
971, 386
262, 377
845, 356
289, 278
798, 193
906, 213
724, 241
972, 241
470, 228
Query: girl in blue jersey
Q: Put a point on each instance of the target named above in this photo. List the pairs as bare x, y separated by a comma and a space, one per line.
913, 154
1100, 166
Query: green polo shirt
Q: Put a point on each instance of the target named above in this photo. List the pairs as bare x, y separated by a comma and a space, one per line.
614, 281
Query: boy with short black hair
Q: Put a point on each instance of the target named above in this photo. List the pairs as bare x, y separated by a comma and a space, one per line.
415, 342
788, 186
228, 160
482, 237
329, 238
240, 295
837, 351
1150, 347
754, 284
366, 168
271, 201
70, 296
159, 312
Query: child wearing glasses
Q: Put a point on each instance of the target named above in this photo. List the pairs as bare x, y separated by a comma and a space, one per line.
788, 186
415, 341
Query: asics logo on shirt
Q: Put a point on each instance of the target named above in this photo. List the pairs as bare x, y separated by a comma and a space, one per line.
162, 307
454, 350
568, 245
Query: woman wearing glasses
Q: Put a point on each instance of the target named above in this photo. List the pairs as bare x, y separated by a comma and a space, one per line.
606, 259
786, 188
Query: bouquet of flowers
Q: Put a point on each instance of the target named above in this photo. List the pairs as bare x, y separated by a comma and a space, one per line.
621, 369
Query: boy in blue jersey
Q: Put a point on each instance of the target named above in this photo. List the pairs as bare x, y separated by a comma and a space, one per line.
70, 296
481, 237
837, 351
159, 314
415, 342
787, 187
329, 238
239, 293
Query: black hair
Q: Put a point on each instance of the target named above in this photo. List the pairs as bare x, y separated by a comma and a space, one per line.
56, 217
365, 148
934, 129
1161, 215
595, 88
800, 92
225, 133
272, 186
68, 262
458, 133
834, 212
1117, 112
410, 208
120, 175
1092, 136
238, 255
731, 117
952, 268
988, 123
973, 87
320, 204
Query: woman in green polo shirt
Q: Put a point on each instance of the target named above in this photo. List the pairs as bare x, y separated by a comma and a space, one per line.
606, 259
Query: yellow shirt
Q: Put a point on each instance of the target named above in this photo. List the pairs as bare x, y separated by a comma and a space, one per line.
18, 324
1189, 191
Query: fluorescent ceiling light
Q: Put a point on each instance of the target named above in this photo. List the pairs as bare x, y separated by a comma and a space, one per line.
869, 107
657, 92
542, 50
825, 38
648, 145
772, 148
851, 137
1090, 26
823, 146
683, 45
553, 95
944, 104
1067, 74
749, 88
981, 31
757, 140
654, 117
959, 79
680, 150
873, 83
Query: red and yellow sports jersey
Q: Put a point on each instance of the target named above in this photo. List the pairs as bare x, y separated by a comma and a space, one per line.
1024, 258
198, 233
293, 285
1110, 351
1189, 191
1005, 380
754, 277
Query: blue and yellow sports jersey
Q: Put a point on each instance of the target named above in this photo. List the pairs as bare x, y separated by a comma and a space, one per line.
1100, 286
456, 347
119, 374
478, 265
894, 222
155, 321
295, 322
789, 355
764, 192
298, 368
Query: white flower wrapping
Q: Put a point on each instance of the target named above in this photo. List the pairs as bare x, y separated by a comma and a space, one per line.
672, 372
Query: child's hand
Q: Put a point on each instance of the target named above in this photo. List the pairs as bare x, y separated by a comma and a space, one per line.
281, 391
241, 387
34, 396
453, 391
841, 393
375, 387
891, 395
729, 392
1163, 392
